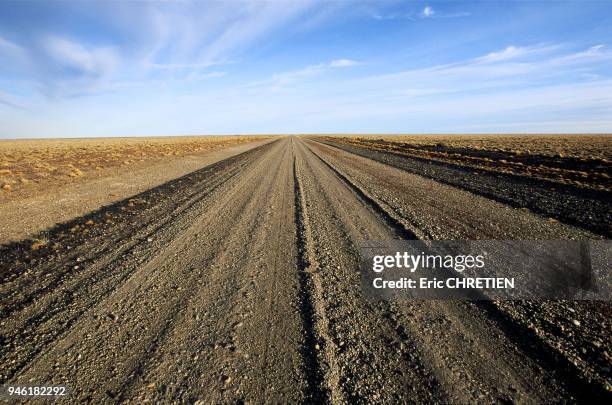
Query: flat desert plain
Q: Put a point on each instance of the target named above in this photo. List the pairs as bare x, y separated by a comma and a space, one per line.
234, 279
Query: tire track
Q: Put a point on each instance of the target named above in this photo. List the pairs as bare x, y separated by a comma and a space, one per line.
375, 351
171, 337
529, 343
45, 315
320, 362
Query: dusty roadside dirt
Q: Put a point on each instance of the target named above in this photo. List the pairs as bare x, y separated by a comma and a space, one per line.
238, 282
53, 197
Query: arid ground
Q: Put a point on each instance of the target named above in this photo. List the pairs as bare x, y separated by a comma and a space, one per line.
48, 181
234, 278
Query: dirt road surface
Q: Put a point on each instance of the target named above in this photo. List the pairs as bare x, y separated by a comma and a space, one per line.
238, 282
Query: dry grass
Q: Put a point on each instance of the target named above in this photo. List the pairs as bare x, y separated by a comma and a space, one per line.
29, 164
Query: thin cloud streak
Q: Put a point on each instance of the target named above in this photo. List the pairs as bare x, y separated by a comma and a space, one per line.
8, 101
427, 13
281, 80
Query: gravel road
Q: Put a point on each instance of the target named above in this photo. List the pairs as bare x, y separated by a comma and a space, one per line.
238, 282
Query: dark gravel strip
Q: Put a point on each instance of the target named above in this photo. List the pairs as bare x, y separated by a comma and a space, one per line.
587, 209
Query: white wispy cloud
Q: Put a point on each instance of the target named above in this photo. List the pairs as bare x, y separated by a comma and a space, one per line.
13, 58
513, 52
505, 67
158, 41
11, 101
591, 54
393, 16
59, 66
594, 50
279, 80
195, 76
343, 63
9, 48
68, 54
68, 68
509, 52
336, 63
178, 66
427, 12
258, 19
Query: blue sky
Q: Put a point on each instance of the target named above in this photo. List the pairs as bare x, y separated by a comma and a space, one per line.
110, 68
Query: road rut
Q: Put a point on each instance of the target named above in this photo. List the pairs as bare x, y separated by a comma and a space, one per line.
238, 282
